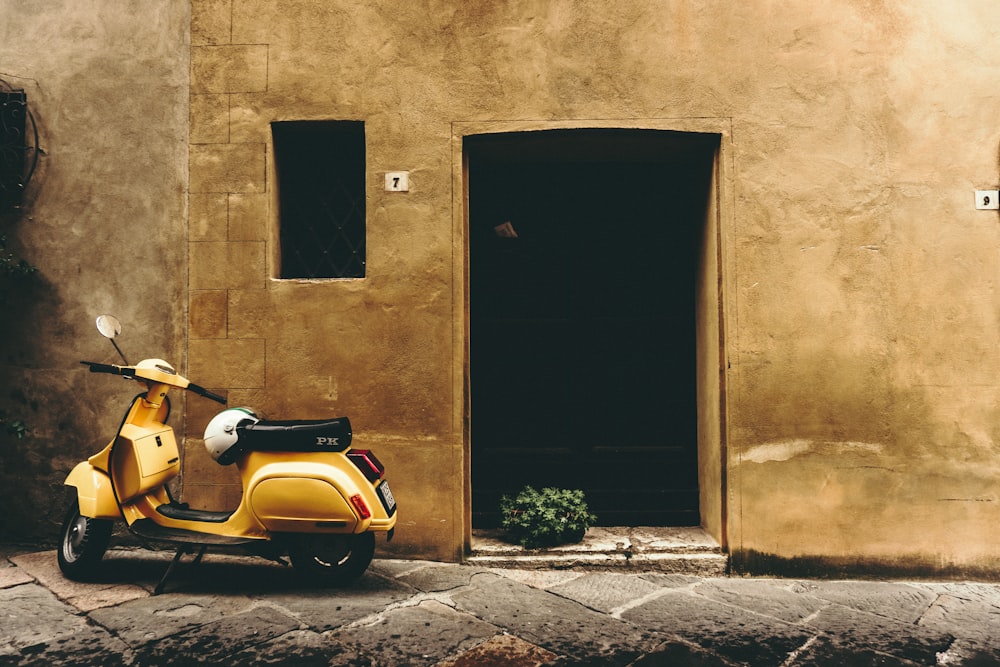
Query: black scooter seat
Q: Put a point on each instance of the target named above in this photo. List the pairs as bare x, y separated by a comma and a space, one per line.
316, 435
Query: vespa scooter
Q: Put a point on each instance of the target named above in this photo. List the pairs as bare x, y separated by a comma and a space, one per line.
305, 491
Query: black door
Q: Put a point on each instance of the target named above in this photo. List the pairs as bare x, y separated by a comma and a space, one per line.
584, 248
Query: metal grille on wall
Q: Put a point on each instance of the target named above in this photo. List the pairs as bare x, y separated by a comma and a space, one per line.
321, 193
15, 172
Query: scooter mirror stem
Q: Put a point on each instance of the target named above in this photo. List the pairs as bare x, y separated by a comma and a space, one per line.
110, 328
119, 351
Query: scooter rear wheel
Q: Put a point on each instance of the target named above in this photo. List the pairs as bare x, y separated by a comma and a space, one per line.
82, 544
331, 560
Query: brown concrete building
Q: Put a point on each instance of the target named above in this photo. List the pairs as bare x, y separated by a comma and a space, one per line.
717, 265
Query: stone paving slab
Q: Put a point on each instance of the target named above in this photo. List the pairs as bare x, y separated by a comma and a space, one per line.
901, 601
301, 648
964, 653
439, 578
502, 651
239, 611
734, 633
973, 619
606, 592
767, 597
139, 622
881, 634
323, 610
982, 592
554, 623
543, 579
680, 654
84, 649
823, 651
214, 642
32, 615
13, 576
38, 629
672, 580
85, 597
416, 635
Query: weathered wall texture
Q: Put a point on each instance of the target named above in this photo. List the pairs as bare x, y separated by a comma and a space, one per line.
859, 293
863, 322
858, 283
104, 222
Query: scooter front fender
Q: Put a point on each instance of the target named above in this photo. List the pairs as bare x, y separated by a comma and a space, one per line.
93, 490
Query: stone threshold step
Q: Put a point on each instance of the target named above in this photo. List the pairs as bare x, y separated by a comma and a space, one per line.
677, 550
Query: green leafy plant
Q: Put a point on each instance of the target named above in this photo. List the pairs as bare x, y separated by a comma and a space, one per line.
546, 518
14, 427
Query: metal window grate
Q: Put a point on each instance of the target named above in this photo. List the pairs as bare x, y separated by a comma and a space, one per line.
321, 195
13, 148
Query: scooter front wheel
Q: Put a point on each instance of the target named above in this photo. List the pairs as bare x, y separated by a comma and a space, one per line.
331, 560
82, 544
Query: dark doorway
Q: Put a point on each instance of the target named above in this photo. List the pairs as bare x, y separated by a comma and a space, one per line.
584, 251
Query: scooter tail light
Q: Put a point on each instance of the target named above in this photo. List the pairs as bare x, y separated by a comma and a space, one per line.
361, 506
365, 461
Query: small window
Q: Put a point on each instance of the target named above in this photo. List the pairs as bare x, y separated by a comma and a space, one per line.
321, 198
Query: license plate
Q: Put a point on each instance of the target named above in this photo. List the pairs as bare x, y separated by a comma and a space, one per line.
385, 494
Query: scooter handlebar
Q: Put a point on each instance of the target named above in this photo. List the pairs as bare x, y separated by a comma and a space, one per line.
201, 391
129, 372
96, 367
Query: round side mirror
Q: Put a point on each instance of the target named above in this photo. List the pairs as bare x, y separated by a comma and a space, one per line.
109, 326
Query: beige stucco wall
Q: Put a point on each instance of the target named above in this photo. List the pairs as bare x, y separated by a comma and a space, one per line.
863, 326
857, 422
104, 223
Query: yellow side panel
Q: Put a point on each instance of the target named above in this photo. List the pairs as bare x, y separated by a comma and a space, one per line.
144, 461
93, 489
294, 504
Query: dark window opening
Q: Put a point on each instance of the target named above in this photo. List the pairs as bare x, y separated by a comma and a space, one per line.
321, 198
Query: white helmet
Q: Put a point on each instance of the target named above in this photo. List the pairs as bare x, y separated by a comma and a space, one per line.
221, 436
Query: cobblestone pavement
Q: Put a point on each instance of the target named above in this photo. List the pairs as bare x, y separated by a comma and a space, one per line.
237, 611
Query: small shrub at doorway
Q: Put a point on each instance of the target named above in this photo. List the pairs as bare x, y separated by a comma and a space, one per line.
545, 518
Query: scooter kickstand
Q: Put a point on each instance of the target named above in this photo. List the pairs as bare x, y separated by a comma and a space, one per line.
173, 565
201, 552
170, 569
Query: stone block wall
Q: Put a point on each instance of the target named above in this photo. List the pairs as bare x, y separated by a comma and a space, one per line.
226, 235
857, 365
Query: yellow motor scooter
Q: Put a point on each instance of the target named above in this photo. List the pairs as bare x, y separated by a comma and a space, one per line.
305, 491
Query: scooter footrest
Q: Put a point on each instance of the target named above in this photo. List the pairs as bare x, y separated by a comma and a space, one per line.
153, 531
185, 513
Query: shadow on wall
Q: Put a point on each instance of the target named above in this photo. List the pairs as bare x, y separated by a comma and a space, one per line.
34, 463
